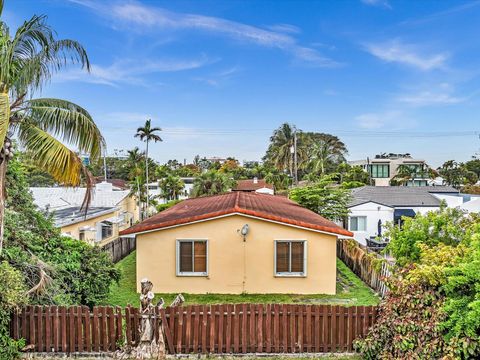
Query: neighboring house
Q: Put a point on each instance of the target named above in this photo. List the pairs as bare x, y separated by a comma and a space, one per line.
238, 242
216, 159
383, 168
254, 185
109, 212
372, 207
154, 190
117, 184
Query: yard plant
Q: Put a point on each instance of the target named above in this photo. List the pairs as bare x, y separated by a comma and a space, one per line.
433, 308
44, 127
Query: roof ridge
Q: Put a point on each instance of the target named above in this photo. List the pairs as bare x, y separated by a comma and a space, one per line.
236, 207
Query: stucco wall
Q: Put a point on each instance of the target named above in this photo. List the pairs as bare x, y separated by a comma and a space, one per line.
74, 229
128, 204
373, 212
235, 266
451, 200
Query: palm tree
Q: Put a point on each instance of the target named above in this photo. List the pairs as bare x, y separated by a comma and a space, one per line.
135, 174
212, 183
171, 187
279, 150
325, 152
28, 59
147, 133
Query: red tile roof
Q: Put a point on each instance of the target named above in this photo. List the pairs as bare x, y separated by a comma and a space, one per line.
263, 206
250, 185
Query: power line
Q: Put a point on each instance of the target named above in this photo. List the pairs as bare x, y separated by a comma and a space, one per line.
346, 133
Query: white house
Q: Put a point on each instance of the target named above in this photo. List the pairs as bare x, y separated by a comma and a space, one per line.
154, 190
383, 168
372, 207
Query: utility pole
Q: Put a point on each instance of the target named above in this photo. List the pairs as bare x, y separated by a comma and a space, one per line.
105, 165
295, 165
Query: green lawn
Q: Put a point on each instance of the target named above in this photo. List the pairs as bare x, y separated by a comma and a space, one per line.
350, 291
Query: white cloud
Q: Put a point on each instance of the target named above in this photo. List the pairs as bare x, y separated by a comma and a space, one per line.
378, 120
130, 71
218, 78
398, 52
144, 17
383, 3
426, 98
438, 94
285, 28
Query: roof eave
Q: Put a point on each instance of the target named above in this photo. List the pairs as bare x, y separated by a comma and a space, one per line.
237, 211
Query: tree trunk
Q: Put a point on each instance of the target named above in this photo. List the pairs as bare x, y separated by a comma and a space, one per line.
146, 176
3, 195
148, 347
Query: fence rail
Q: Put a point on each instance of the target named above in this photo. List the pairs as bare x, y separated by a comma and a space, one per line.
217, 329
362, 262
120, 247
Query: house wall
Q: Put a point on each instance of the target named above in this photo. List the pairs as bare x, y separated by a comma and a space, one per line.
373, 212
235, 266
265, 191
74, 229
127, 206
452, 200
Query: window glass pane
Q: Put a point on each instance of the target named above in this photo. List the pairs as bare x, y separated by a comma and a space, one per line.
361, 223
200, 256
282, 256
297, 257
353, 223
186, 256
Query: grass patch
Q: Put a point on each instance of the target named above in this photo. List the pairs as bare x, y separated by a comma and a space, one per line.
350, 291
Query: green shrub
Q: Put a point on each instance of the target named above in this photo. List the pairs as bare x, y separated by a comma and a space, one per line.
408, 325
63, 270
12, 294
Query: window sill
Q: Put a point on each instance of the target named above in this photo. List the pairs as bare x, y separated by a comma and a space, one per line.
192, 274
295, 275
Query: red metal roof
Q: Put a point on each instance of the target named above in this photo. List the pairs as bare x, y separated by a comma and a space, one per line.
263, 206
251, 185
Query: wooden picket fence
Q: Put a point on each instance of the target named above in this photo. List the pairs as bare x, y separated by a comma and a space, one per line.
218, 329
360, 260
120, 248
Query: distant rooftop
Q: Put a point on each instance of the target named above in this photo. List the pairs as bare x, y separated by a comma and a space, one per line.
75, 214
252, 185
399, 196
55, 198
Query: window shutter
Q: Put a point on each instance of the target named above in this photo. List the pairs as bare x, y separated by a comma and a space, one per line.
186, 263
282, 257
297, 257
200, 256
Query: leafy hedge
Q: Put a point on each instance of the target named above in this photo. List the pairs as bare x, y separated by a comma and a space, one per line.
433, 309
38, 265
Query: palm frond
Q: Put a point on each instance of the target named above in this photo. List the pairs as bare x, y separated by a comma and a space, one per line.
68, 121
4, 116
50, 154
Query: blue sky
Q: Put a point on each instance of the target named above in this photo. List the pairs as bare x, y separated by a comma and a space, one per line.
219, 76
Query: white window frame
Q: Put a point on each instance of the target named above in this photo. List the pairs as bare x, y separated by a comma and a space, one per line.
193, 273
305, 257
357, 216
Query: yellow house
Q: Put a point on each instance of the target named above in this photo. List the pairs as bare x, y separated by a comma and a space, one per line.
238, 242
110, 211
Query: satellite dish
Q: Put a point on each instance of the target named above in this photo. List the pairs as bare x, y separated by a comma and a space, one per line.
244, 230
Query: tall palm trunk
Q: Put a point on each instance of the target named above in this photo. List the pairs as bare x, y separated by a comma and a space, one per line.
3, 172
146, 176
4, 124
